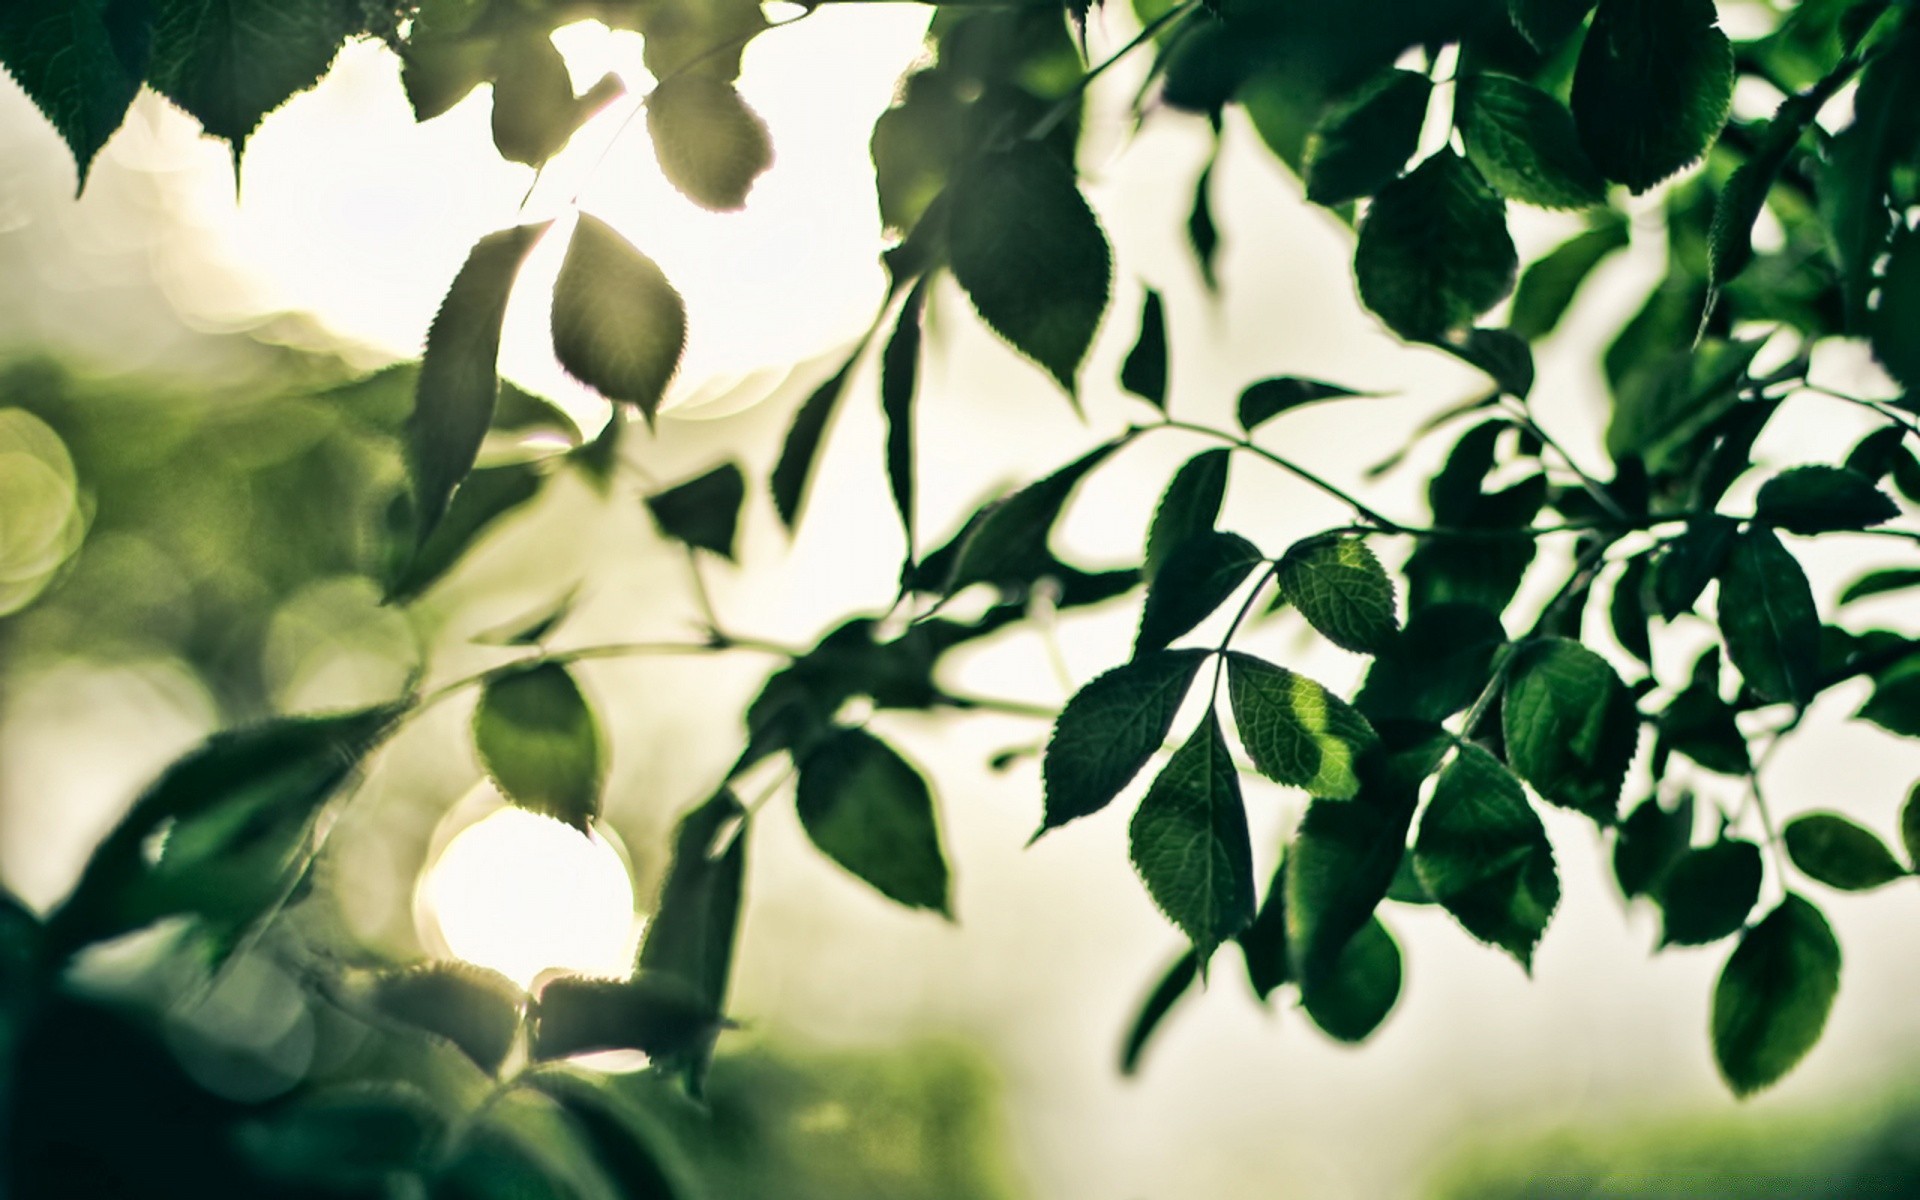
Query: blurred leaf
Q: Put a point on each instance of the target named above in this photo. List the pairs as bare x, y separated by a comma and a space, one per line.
1202, 234
1296, 731
1351, 1001
1898, 312
1434, 251
1709, 892
1839, 853
1910, 826
1174, 984
1648, 844
1547, 23
1196, 578
1853, 186
691, 934
534, 112
1822, 499
81, 62
1484, 856
1266, 399
1570, 726
476, 1009
1774, 995
1688, 563
1700, 725
352, 1137
1189, 842
1360, 147
459, 383
1109, 730
1653, 87
1548, 285
704, 513
1263, 943
1768, 619
1188, 509
869, 810
438, 72
1523, 142
1627, 608
618, 326
1895, 703
539, 740
710, 142
1875, 583
635, 1156
488, 494
663, 1016
1005, 544
899, 377
1436, 667
802, 446
1504, 356
1730, 239
1343, 592
1661, 409
1144, 373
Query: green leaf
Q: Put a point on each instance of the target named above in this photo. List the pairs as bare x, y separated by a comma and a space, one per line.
1875, 583
1144, 373
792, 473
1434, 251
1109, 730
1648, 844
539, 740
1196, 578
1523, 142
1854, 184
1822, 499
691, 934
1030, 254
1910, 826
1768, 619
1661, 410
1263, 943
869, 810
1188, 509
1360, 147
1484, 857
459, 380
535, 112
1570, 726
440, 70
350, 1138
1774, 995
1895, 703
1266, 399
1007, 543
229, 63
1897, 314
710, 143
1549, 284
1343, 592
618, 325
899, 376
1174, 984
704, 512
1436, 667
487, 496
1688, 563
81, 62
1839, 853
1190, 845
1547, 23
660, 1015
1700, 725
1296, 731
1653, 86
1709, 892
476, 1009
1504, 356
1730, 238
1351, 1001
1344, 858
626, 1143
1627, 608
1202, 234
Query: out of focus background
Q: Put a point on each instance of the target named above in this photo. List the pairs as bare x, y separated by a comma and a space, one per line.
195, 453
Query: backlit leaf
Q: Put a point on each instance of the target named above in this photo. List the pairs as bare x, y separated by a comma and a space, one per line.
1483, 855
1522, 141
1296, 731
1189, 842
1008, 541
1343, 592
1196, 578
1547, 23
1821, 499
1688, 563
487, 496
1875, 583
802, 446
1435, 667
1839, 853
704, 512
1109, 730
1653, 86
1570, 726
541, 744
1774, 995
1768, 618
81, 62
1361, 146
476, 1009
869, 810
1434, 251
1709, 892
691, 933
660, 1015
618, 325
710, 143
1910, 826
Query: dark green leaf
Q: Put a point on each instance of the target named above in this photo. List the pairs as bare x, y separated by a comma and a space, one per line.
1570, 726
1341, 589
1361, 146
229, 63
350, 1138
1109, 730
81, 62
1839, 853
1483, 855
1709, 892
1353, 998
1895, 703
1875, 583
1435, 667
618, 325
1547, 287
1263, 401
869, 810
1503, 355
1296, 731
1897, 314
540, 742
1264, 942
535, 112
1653, 86
1910, 826
1144, 373
1730, 238
1189, 842
1821, 499
1768, 619
1188, 509
1627, 608
627, 1145
487, 495
705, 512
899, 377
1661, 409
711, 144
1853, 187
1196, 578
691, 934
440, 70
1522, 141
476, 1009
1648, 844
459, 380
1547, 23
1700, 725
1688, 563
1202, 234
1006, 544
1179, 978
797, 454
1030, 254
662, 1016
1434, 251
1876, 454
1774, 995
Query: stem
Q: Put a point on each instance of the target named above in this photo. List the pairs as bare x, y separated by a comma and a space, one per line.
1064, 107
716, 643
1522, 413
1368, 514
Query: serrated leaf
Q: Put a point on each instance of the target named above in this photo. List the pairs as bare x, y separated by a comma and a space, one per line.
1196, 578
899, 378
81, 62
459, 375
869, 810
1709, 892
1648, 844
1897, 314
1570, 726
1343, 592
1174, 984
438, 72
1484, 856
1263, 943
1144, 373
703, 513
1768, 619
1190, 845
618, 326
791, 474
662, 1016
1296, 731
1839, 853
476, 1009
1188, 509
1895, 703
539, 740
1772, 1000
692, 931
1434, 252
1266, 399
710, 143
1822, 499
1356, 995
1436, 667
1730, 238
1360, 147
1109, 730
1523, 142
1030, 255
1652, 88
1688, 563
1547, 287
